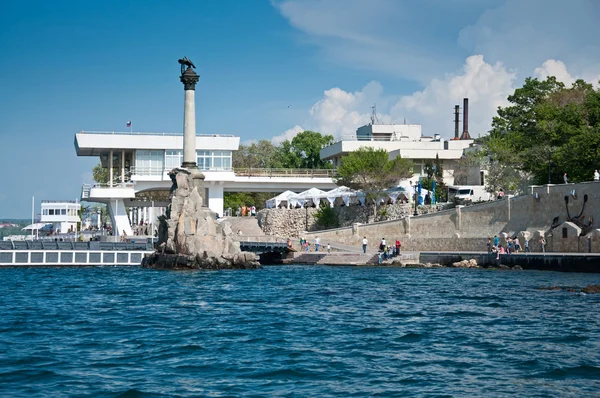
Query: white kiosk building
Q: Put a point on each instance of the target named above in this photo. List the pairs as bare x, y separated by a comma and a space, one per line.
140, 162
406, 140
62, 214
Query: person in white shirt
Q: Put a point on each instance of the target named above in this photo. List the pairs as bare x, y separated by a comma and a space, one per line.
317, 242
596, 175
365, 242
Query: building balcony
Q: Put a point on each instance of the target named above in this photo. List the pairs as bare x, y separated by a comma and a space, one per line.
106, 191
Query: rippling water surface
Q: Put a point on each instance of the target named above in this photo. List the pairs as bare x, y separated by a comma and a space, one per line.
297, 331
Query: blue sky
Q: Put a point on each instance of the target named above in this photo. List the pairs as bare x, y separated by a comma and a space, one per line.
268, 69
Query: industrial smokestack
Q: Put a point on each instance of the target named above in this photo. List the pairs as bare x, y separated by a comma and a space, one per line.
465, 134
456, 112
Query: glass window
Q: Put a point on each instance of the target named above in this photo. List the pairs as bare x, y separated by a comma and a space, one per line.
173, 159
149, 162
50, 212
63, 212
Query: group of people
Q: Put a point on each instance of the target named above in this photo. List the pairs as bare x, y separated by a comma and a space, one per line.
385, 250
245, 211
513, 245
304, 245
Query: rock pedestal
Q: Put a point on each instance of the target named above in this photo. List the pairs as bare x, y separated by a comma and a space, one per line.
190, 236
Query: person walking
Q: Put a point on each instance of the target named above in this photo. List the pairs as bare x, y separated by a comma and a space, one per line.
317, 243
489, 245
328, 248
543, 244
517, 244
365, 243
527, 246
398, 244
596, 175
566, 178
496, 240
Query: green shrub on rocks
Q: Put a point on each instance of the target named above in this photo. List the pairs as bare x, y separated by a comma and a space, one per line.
326, 218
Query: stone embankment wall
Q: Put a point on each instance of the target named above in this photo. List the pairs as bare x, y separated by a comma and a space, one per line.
542, 212
293, 222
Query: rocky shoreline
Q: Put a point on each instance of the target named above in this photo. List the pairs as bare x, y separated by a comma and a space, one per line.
459, 264
189, 237
241, 260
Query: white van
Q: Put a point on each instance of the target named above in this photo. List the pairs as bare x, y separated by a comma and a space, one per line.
468, 193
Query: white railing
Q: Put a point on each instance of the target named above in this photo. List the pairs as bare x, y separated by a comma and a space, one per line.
261, 238
256, 172
159, 171
369, 139
86, 188
144, 133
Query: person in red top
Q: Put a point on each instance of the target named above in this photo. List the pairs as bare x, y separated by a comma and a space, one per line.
398, 244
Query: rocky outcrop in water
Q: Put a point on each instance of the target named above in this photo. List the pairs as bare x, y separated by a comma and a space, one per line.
190, 236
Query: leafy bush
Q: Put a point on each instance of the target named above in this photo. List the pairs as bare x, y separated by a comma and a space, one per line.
326, 218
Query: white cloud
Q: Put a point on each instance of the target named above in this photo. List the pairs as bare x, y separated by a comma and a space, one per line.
420, 40
384, 35
554, 68
524, 34
559, 70
487, 86
288, 134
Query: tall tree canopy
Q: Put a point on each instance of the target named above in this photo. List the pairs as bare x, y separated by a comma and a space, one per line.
262, 154
372, 172
303, 151
547, 129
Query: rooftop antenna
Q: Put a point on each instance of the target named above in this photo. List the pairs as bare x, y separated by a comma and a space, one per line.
374, 118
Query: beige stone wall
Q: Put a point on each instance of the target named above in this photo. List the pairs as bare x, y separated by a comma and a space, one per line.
467, 228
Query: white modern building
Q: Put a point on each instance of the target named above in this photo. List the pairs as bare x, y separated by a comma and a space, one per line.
140, 162
403, 140
63, 215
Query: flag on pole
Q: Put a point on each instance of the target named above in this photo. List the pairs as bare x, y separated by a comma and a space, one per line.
129, 123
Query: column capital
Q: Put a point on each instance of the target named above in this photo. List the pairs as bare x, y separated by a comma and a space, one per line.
189, 78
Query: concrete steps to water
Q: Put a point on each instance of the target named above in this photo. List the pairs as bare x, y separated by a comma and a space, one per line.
248, 225
335, 258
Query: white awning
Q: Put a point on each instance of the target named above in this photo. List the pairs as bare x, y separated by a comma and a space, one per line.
37, 226
277, 200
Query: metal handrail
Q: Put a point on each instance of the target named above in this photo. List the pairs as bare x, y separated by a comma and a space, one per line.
143, 133
392, 138
260, 172
159, 171
88, 187
261, 238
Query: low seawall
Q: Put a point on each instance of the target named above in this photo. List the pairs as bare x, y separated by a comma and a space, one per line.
563, 262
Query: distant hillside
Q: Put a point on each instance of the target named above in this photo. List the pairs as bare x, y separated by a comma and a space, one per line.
20, 221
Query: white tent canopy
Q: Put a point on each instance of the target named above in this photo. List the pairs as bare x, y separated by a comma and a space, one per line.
313, 194
342, 192
277, 200
36, 226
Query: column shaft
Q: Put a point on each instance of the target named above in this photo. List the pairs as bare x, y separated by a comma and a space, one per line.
189, 129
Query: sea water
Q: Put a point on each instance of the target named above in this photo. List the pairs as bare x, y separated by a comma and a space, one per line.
297, 331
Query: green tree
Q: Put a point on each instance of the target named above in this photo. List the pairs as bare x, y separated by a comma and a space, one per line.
326, 218
234, 200
100, 174
304, 151
260, 154
372, 172
546, 129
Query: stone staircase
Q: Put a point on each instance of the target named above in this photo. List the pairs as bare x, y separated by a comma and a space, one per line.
334, 258
248, 225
